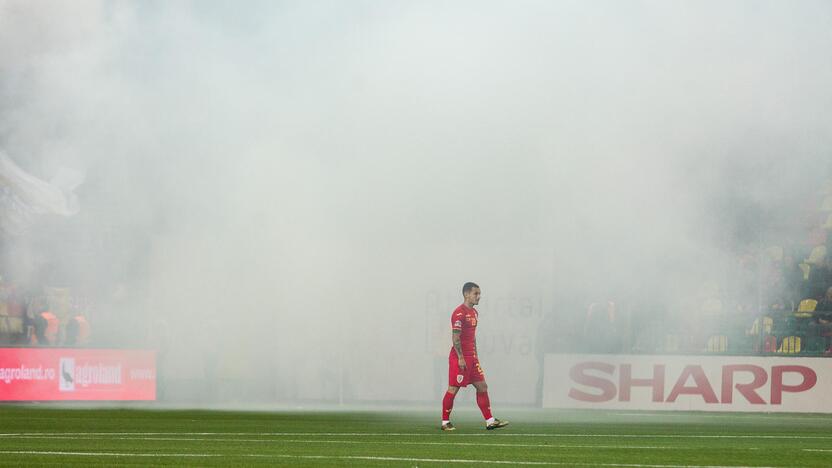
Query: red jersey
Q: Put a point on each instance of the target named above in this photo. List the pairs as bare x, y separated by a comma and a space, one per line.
464, 320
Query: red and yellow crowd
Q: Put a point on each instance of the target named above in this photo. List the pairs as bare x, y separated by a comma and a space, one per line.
50, 317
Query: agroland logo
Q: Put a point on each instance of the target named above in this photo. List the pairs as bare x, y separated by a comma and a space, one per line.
596, 382
98, 374
84, 375
66, 375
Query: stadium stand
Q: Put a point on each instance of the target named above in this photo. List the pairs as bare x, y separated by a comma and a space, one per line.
774, 299
45, 319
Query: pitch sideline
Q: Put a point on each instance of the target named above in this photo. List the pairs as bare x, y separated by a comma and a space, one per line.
422, 434
367, 458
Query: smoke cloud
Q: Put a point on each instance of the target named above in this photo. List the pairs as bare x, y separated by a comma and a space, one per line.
285, 198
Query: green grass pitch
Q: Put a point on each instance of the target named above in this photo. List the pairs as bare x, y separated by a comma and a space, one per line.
40, 435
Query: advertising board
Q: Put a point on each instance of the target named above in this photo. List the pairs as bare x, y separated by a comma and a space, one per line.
702, 383
36, 374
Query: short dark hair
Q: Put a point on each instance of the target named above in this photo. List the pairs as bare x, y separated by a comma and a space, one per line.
469, 286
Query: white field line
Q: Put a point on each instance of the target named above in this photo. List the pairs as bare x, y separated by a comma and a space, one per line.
379, 442
817, 450
360, 457
106, 454
400, 434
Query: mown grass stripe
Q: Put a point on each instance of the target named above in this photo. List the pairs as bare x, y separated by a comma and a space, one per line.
422, 434
378, 442
366, 458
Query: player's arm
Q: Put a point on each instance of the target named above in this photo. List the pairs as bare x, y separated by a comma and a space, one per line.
455, 336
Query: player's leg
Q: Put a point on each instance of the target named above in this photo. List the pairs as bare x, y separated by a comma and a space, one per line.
482, 398
454, 380
447, 406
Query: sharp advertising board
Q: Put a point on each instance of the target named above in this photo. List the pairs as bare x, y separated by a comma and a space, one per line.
700, 383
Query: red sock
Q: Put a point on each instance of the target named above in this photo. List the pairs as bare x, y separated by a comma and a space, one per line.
447, 405
485, 404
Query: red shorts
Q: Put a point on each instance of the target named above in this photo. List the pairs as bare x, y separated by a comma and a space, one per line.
461, 378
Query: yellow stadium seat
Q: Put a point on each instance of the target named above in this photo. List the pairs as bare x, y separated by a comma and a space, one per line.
717, 344
807, 305
817, 256
790, 345
806, 308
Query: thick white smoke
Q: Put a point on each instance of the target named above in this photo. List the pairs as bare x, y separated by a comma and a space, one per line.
286, 197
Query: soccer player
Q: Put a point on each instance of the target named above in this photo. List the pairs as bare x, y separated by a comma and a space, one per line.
463, 365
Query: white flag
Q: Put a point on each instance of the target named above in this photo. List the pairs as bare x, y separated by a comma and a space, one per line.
23, 196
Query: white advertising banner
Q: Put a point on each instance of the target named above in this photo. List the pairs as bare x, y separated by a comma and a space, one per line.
699, 383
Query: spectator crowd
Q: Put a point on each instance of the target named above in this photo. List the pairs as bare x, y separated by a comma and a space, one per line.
51, 316
774, 298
